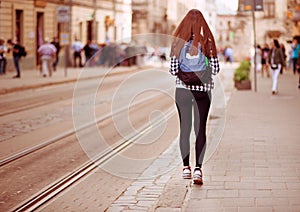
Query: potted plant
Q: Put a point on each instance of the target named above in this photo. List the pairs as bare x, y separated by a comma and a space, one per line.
242, 76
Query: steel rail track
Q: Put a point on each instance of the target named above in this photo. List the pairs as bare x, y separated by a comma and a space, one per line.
39, 199
68, 133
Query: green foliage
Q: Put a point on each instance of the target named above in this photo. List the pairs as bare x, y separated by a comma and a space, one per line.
242, 72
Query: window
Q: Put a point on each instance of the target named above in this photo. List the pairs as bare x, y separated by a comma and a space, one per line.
19, 26
269, 8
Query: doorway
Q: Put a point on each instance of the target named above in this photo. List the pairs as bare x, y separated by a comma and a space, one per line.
89, 30
39, 33
19, 26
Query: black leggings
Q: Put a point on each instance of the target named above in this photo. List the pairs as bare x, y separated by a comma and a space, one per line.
295, 65
185, 101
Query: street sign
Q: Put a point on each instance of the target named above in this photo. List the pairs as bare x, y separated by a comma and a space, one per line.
258, 5
64, 39
63, 14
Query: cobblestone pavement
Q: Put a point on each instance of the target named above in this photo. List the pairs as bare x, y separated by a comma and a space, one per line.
31, 80
26, 125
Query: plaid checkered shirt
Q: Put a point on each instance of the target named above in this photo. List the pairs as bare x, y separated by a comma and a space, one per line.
214, 64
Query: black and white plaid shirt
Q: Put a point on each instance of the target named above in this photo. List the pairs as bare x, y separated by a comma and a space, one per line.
214, 64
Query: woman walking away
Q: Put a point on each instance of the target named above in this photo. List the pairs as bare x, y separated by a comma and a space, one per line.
276, 61
193, 39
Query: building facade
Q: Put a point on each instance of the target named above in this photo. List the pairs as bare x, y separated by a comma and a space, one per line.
149, 16
154, 16
29, 22
236, 30
293, 13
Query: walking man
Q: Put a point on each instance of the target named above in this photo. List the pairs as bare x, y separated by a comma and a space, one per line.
17, 50
47, 52
77, 46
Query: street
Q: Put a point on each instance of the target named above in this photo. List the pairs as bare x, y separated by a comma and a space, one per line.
31, 117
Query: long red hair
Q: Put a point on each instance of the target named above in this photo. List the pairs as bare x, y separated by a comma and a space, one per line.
194, 27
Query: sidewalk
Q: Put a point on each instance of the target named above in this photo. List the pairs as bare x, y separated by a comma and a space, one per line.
31, 79
256, 166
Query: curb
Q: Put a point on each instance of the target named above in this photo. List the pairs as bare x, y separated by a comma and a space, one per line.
35, 86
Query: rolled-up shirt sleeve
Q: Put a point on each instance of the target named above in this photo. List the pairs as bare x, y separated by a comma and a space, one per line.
174, 64
214, 64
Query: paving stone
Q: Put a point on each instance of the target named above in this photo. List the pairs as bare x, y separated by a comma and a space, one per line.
256, 209
255, 193
115, 209
226, 178
137, 208
198, 194
293, 185
222, 193
205, 203
294, 201
168, 210
238, 202
239, 185
270, 201
147, 203
272, 186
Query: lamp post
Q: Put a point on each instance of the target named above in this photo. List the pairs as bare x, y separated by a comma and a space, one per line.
254, 5
254, 41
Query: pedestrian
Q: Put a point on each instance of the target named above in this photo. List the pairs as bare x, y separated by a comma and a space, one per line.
295, 55
290, 60
3, 61
264, 57
88, 51
77, 46
47, 52
276, 61
258, 58
18, 52
228, 54
55, 42
298, 68
284, 56
193, 29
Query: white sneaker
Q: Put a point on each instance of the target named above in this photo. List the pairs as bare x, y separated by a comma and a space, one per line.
197, 177
187, 173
